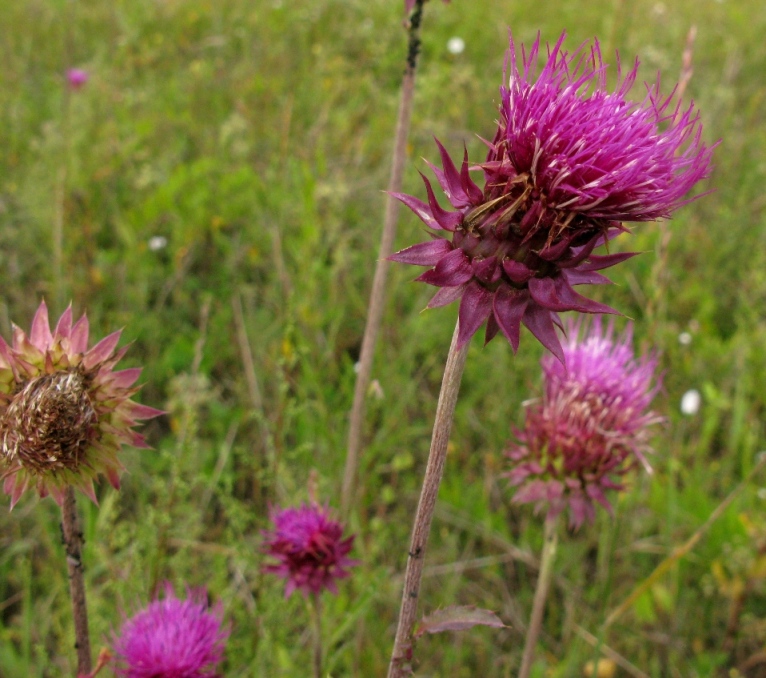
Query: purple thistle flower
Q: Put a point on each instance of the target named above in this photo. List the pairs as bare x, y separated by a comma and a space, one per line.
77, 77
172, 638
309, 547
591, 426
570, 161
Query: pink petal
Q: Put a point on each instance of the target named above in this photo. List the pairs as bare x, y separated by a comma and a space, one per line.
509, 306
79, 335
517, 272
598, 262
126, 378
579, 277
102, 350
58, 493
114, 478
558, 295
64, 326
422, 210
539, 322
19, 483
492, 329
446, 295
88, 490
138, 411
424, 253
475, 194
449, 221
452, 270
453, 187
41, 336
475, 307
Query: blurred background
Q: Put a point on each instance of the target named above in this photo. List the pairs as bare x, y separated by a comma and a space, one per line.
215, 189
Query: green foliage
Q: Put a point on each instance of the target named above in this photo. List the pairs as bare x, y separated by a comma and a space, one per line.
255, 139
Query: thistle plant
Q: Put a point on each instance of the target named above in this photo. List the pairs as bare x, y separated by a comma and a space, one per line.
311, 554
172, 638
64, 415
591, 427
569, 162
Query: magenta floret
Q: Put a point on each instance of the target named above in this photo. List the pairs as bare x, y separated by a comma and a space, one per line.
309, 548
172, 638
569, 162
591, 427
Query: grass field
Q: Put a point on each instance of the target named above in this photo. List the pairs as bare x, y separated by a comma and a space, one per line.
254, 138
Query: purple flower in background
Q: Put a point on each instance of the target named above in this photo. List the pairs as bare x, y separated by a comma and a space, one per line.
569, 162
309, 547
76, 77
591, 426
172, 638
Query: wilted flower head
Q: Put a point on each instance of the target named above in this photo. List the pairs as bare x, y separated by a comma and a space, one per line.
64, 411
591, 426
77, 77
172, 638
309, 547
569, 162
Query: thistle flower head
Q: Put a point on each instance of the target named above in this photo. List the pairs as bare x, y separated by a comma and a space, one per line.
591, 426
77, 77
64, 410
569, 162
309, 548
172, 638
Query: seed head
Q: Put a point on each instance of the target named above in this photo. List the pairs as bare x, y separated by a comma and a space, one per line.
569, 162
64, 411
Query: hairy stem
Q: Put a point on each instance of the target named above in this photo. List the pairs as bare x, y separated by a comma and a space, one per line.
73, 541
378, 293
550, 542
453, 372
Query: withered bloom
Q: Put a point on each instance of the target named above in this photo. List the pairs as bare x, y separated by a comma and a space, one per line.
64, 411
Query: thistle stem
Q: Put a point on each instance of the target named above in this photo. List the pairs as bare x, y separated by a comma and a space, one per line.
445, 409
316, 619
550, 542
378, 293
73, 541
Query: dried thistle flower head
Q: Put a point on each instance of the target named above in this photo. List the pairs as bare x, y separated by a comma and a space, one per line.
64, 411
591, 426
172, 638
569, 162
309, 548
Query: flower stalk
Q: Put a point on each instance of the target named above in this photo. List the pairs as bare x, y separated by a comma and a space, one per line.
315, 612
437, 456
73, 541
550, 544
378, 293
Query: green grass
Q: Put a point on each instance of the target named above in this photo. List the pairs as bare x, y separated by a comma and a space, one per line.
255, 137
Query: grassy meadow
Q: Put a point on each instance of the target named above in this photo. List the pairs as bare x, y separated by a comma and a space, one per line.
215, 189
